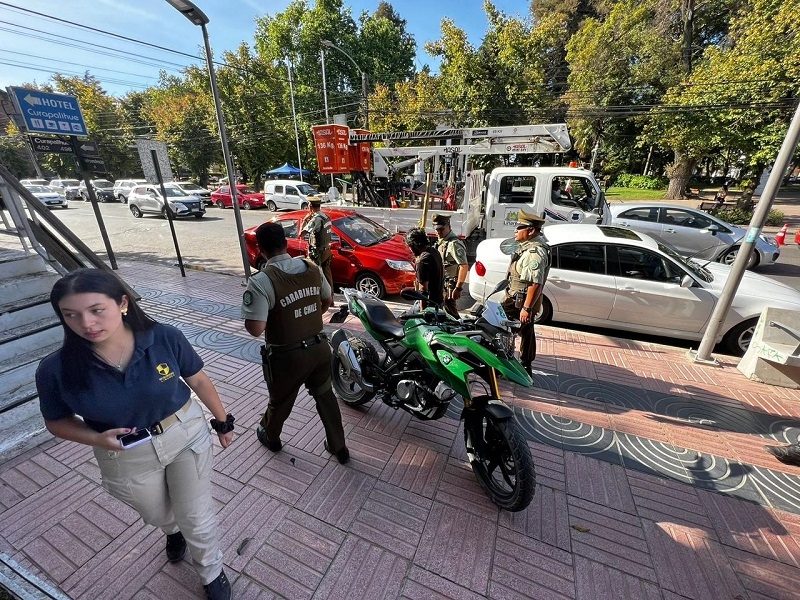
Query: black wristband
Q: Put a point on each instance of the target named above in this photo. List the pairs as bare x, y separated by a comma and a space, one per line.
225, 426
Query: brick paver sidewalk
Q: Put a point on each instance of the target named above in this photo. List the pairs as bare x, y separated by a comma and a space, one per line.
652, 483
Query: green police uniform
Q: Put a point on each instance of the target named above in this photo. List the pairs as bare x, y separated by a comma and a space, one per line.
530, 265
454, 254
319, 242
287, 294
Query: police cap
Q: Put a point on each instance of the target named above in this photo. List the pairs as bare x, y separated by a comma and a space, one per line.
315, 200
440, 220
529, 219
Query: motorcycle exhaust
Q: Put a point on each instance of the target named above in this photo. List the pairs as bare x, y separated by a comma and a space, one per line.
349, 362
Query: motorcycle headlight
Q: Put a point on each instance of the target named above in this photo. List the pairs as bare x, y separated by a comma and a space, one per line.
505, 342
400, 265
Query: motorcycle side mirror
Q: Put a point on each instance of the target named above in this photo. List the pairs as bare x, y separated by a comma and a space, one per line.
412, 294
501, 285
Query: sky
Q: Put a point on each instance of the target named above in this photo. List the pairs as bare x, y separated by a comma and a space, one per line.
33, 47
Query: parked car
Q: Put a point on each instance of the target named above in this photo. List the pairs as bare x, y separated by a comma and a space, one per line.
693, 232
285, 193
147, 199
103, 189
192, 188
248, 198
48, 195
69, 188
123, 187
610, 276
27, 182
365, 255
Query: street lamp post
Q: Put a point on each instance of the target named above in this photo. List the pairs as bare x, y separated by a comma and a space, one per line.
197, 17
329, 44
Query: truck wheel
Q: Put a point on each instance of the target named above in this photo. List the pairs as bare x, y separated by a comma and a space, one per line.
271, 206
370, 283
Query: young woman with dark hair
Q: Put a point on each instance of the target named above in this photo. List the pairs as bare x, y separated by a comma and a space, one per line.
122, 383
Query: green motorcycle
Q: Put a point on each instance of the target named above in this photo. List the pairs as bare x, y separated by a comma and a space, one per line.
428, 359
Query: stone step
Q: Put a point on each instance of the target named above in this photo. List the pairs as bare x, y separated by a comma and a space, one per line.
21, 288
31, 343
27, 324
14, 264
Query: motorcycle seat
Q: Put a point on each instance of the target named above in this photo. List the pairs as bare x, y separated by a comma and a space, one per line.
381, 318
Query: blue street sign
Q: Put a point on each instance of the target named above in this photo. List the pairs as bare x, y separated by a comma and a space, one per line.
49, 113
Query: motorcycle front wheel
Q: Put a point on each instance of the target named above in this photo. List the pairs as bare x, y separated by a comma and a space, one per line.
501, 460
345, 386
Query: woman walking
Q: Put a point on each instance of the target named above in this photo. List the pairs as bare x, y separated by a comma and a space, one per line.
122, 383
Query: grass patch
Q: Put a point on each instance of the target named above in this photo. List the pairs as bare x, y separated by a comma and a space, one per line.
621, 194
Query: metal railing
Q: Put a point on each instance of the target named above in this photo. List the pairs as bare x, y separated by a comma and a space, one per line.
41, 232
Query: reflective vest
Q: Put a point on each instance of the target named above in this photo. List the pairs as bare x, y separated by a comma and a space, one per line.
297, 314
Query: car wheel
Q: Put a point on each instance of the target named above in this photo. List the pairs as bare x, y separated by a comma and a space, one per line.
304, 206
260, 262
545, 313
135, 211
220, 204
729, 257
370, 283
271, 206
121, 198
246, 205
738, 339
85, 197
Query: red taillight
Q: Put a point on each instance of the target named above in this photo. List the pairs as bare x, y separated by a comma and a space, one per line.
480, 269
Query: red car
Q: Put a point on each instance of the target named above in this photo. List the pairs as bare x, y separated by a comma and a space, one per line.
247, 196
365, 255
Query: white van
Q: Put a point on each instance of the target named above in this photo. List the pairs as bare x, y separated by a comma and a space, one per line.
288, 194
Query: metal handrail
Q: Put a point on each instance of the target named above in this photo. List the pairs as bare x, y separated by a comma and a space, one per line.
39, 229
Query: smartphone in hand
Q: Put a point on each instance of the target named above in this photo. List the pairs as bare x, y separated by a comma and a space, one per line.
129, 440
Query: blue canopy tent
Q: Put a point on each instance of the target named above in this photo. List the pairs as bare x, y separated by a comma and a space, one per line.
288, 170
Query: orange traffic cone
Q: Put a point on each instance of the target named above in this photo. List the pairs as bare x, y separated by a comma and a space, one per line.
781, 236
797, 237
393, 201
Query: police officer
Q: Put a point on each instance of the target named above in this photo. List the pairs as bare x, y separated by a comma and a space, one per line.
454, 259
526, 276
287, 299
318, 227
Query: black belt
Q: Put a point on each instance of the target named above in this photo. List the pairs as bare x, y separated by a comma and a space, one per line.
306, 343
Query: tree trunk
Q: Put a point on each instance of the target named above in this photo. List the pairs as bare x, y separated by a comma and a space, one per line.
679, 173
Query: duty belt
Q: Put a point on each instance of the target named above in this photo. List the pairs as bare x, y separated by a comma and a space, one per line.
162, 425
306, 343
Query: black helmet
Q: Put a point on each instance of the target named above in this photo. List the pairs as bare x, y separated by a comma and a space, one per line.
417, 237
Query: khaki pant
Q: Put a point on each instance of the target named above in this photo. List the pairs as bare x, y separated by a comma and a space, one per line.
168, 482
284, 375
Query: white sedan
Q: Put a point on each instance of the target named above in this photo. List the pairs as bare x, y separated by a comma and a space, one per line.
613, 277
48, 195
693, 232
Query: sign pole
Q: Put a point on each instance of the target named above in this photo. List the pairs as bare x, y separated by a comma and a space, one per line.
93, 198
167, 209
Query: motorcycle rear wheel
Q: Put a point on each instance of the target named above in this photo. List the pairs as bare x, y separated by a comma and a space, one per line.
347, 388
501, 461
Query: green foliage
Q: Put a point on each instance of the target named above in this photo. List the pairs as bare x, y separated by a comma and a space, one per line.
13, 156
739, 216
641, 182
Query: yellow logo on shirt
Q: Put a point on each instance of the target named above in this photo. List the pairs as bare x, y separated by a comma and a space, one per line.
165, 372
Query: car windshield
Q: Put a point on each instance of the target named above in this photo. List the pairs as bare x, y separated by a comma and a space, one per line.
306, 189
695, 267
103, 185
190, 186
38, 189
36, 182
362, 231
245, 191
69, 182
175, 191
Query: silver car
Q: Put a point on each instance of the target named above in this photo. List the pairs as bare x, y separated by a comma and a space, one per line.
147, 199
693, 232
